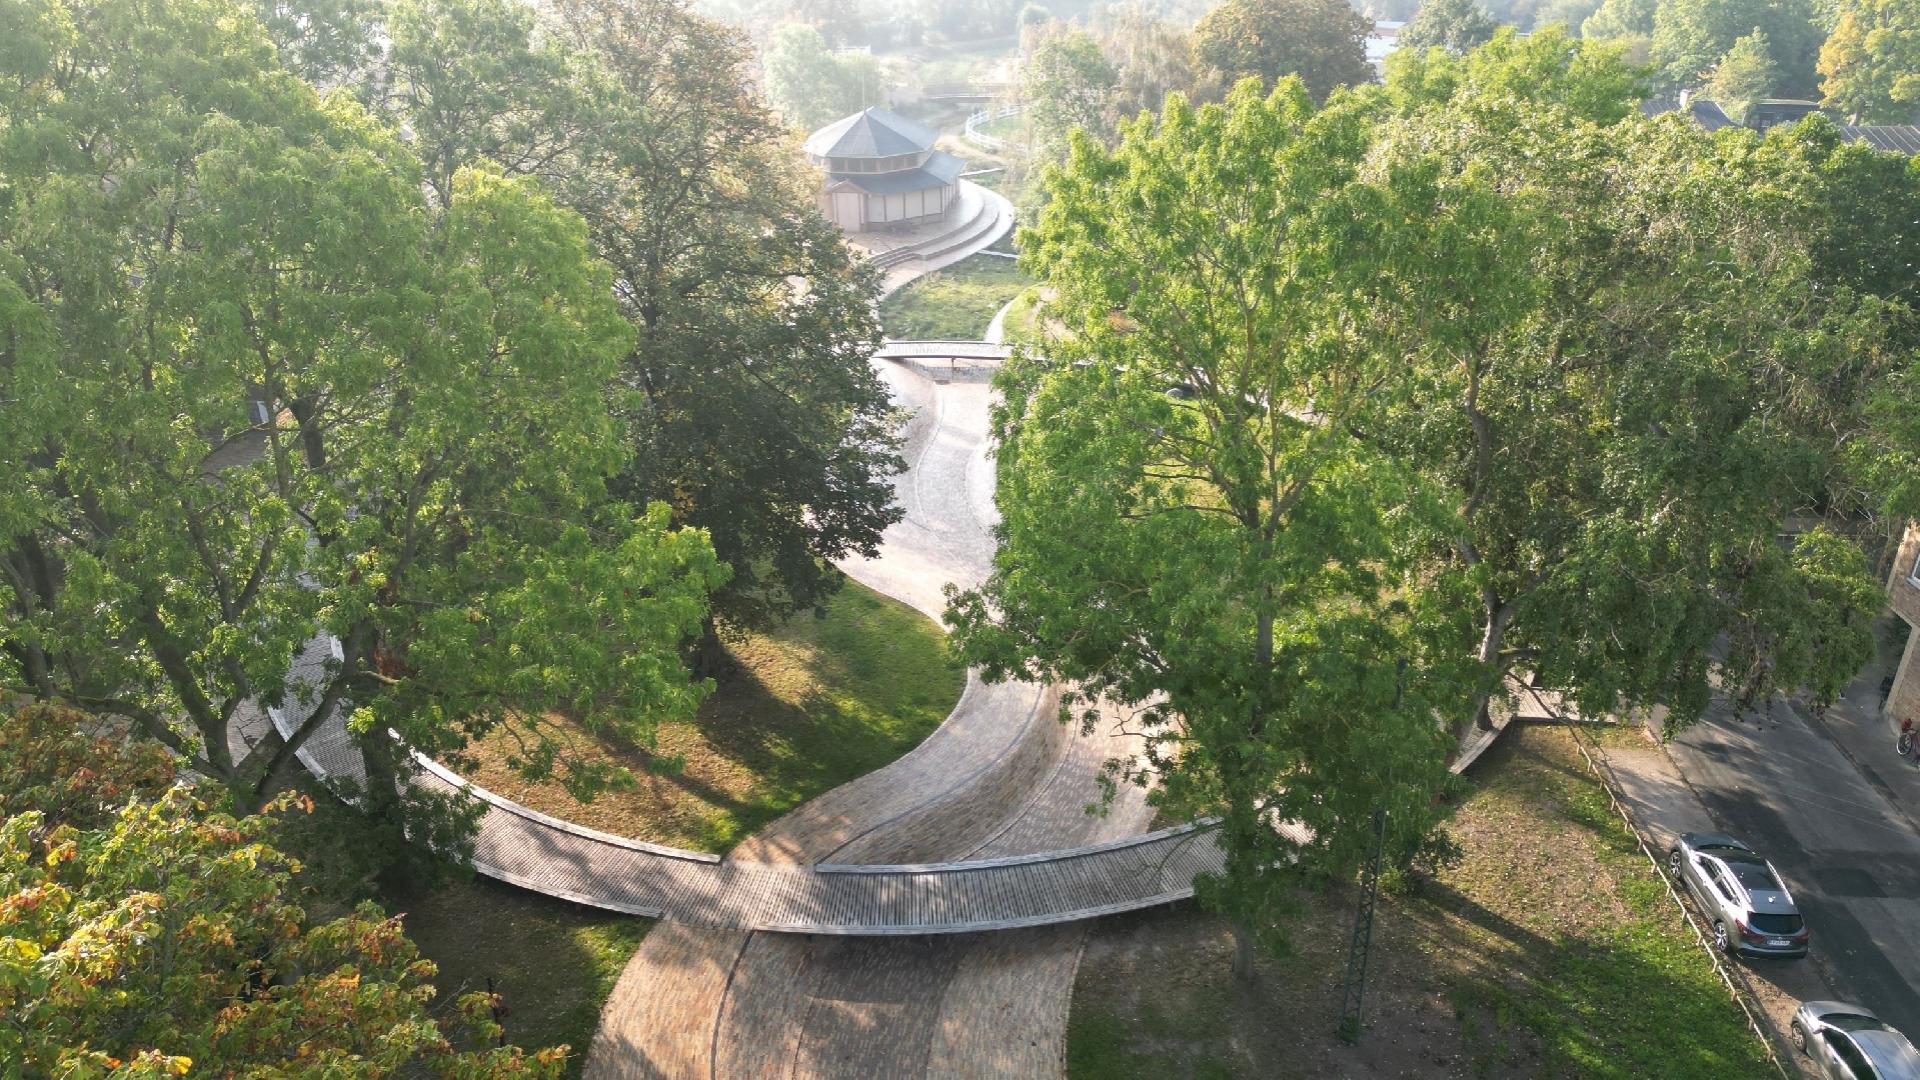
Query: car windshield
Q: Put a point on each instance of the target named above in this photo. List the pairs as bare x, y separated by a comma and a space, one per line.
1776, 924
1754, 875
1852, 1022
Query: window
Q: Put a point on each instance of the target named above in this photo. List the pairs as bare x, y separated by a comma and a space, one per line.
1720, 882
1913, 572
1850, 1056
1779, 925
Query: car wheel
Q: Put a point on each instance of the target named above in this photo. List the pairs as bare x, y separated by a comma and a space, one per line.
1720, 939
1801, 1040
1673, 861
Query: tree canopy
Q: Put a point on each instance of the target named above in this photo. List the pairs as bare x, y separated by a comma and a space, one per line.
1220, 562
811, 84
1745, 75
1453, 25
261, 383
1691, 36
1620, 19
1480, 377
1321, 41
1067, 83
1870, 65
1590, 80
752, 410
144, 934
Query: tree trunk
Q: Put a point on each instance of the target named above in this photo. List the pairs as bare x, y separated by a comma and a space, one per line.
1492, 637
1242, 952
208, 719
709, 659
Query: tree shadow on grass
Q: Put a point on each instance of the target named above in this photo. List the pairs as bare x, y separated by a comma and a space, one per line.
804, 708
1626, 1000
553, 962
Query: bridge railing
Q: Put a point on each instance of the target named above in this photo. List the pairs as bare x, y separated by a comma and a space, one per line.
980, 118
977, 91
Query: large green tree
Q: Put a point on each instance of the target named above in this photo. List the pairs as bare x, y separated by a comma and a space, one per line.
1068, 84
811, 84
1870, 64
1453, 25
1152, 57
1745, 75
1590, 80
1321, 41
258, 385
325, 42
146, 934
1627, 416
1481, 373
1192, 534
754, 412
1629, 22
1691, 36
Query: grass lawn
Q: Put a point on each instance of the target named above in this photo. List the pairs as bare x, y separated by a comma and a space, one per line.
956, 303
813, 704
1551, 949
555, 962
1027, 322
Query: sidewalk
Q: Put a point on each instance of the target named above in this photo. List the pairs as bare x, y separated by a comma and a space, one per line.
1855, 726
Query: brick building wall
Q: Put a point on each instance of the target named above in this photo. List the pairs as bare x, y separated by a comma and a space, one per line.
1903, 596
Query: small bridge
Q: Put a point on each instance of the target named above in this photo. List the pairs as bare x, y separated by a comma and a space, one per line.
947, 361
976, 93
942, 350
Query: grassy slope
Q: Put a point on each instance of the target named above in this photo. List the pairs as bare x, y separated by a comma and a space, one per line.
814, 704
1551, 949
955, 303
553, 961
1008, 127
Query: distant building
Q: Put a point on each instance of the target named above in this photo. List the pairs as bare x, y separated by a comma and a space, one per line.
882, 171
1761, 115
1381, 43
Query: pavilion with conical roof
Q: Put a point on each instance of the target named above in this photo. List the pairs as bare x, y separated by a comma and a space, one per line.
882, 171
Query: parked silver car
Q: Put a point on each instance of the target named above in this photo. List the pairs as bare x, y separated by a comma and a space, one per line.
1846, 1042
1741, 894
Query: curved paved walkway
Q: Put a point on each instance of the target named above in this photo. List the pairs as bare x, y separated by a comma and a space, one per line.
969, 831
995, 781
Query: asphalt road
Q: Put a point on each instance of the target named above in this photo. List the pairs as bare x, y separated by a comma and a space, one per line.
1825, 800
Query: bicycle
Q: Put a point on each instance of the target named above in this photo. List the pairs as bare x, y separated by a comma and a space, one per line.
1903, 744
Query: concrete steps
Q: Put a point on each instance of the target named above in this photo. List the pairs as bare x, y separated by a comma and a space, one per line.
983, 215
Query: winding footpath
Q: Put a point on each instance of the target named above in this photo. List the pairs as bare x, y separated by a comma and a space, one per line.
1000, 778
924, 919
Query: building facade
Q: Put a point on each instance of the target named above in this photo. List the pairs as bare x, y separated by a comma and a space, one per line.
1903, 596
882, 172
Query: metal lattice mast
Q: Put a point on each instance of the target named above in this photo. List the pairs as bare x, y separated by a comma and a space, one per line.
1362, 941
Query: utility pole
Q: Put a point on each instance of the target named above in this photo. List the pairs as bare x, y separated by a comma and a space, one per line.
1362, 941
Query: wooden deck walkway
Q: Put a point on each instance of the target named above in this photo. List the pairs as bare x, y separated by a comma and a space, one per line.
561, 859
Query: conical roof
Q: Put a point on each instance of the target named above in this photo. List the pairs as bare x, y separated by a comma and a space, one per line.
871, 133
